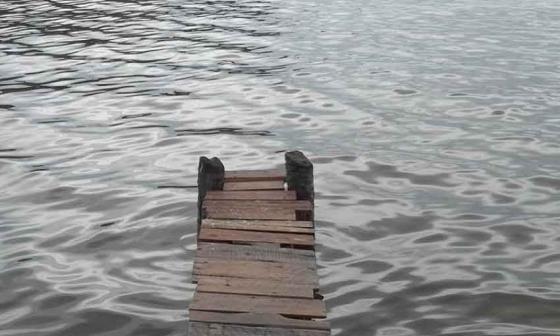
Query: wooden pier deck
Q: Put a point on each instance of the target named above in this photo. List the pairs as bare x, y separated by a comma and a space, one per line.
255, 264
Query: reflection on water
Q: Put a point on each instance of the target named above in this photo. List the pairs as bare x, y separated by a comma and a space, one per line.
433, 127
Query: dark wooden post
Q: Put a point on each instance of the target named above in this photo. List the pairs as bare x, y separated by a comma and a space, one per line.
299, 177
211, 174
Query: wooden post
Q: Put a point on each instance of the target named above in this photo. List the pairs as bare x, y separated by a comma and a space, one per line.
211, 174
299, 176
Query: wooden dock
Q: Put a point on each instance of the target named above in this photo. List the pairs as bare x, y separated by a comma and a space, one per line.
255, 266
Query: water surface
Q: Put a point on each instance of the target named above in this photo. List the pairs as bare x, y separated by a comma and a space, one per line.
433, 126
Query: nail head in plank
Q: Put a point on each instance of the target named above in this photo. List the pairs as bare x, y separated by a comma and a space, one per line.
258, 304
256, 237
263, 227
255, 175
274, 271
254, 185
252, 195
250, 213
211, 284
256, 319
216, 329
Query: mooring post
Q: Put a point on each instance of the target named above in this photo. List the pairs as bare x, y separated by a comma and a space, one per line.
211, 174
299, 176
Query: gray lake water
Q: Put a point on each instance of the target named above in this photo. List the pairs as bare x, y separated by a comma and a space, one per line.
434, 128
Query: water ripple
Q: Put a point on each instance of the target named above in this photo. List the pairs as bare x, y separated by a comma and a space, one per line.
433, 128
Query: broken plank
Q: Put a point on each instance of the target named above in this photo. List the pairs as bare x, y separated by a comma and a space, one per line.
259, 226
250, 213
256, 319
256, 253
274, 271
211, 284
288, 204
218, 235
216, 329
255, 175
251, 195
303, 308
254, 185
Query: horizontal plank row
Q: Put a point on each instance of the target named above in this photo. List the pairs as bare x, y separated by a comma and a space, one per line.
266, 287
259, 226
237, 236
255, 175
256, 222
284, 204
254, 185
257, 319
218, 329
251, 195
249, 269
250, 213
301, 308
255, 253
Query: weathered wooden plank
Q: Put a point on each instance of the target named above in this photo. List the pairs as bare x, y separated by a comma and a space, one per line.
256, 319
296, 205
275, 271
258, 304
216, 329
276, 223
255, 253
255, 175
250, 213
254, 185
211, 284
252, 195
260, 226
219, 235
